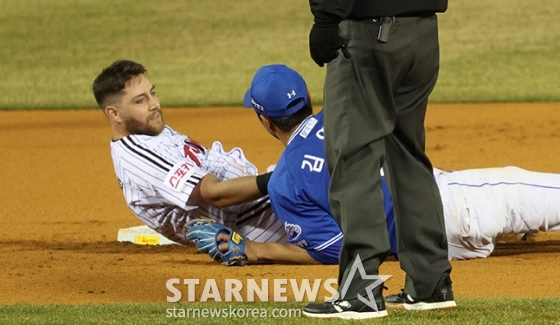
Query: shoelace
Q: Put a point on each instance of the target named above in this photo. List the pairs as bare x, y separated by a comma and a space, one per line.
339, 302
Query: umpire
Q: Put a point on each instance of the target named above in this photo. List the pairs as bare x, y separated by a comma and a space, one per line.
375, 100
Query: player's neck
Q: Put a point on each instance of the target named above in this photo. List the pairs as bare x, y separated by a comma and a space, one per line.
284, 137
118, 134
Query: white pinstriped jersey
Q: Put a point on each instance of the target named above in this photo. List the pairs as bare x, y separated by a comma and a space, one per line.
158, 173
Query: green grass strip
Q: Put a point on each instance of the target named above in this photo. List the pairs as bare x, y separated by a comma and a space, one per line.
206, 52
470, 311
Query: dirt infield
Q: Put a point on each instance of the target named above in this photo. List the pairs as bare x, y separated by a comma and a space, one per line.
62, 207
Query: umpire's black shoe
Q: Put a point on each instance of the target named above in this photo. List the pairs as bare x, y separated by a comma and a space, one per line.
346, 309
442, 298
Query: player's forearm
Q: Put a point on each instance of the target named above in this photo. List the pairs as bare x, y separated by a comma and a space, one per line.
229, 192
282, 253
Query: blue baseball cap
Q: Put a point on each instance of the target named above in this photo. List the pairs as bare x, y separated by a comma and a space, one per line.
276, 91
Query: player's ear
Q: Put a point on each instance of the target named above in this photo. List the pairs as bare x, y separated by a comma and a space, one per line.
112, 112
266, 122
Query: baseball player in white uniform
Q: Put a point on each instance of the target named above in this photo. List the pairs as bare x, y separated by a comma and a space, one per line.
168, 178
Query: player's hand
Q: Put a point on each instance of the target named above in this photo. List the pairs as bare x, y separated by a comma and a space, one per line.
325, 41
217, 240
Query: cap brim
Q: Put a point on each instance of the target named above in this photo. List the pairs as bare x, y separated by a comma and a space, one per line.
247, 99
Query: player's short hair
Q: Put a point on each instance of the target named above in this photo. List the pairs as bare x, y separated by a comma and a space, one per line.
109, 84
289, 122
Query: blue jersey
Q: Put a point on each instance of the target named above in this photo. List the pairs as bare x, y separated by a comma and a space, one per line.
298, 191
389, 215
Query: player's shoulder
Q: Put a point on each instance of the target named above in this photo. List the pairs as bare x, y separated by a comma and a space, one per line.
306, 144
308, 133
167, 143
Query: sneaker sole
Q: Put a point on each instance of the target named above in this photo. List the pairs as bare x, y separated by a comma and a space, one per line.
395, 305
350, 315
431, 305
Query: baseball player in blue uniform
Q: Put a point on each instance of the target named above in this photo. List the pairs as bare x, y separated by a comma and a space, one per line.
298, 186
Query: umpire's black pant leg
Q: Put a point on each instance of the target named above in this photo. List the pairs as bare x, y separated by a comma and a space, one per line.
422, 242
356, 190
354, 128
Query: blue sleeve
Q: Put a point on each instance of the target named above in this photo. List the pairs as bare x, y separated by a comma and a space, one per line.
329, 255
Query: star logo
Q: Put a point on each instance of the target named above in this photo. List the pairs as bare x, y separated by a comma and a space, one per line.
378, 280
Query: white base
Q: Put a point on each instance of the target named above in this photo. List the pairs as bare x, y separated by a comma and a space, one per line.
142, 235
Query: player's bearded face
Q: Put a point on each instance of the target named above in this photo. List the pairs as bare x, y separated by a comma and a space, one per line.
141, 111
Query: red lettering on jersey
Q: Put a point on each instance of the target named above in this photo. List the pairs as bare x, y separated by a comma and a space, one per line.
192, 149
178, 175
